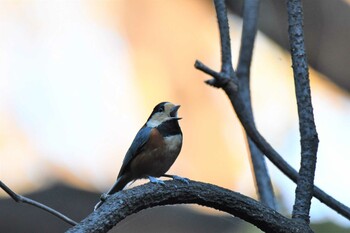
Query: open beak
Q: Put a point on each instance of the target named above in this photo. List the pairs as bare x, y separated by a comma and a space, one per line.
173, 113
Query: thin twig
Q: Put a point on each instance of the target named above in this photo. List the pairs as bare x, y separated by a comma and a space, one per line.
130, 201
307, 127
249, 30
232, 91
227, 74
21, 199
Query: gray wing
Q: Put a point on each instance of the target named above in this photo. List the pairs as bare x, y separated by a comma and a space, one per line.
136, 146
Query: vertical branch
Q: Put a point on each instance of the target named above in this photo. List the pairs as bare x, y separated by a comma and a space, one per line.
307, 128
226, 76
249, 30
225, 41
261, 174
250, 19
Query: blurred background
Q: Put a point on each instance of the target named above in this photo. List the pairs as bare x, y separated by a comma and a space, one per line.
79, 78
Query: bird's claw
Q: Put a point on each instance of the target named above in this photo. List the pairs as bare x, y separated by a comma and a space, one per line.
182, 179
155, 180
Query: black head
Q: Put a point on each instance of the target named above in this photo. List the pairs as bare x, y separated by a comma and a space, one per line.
164, 111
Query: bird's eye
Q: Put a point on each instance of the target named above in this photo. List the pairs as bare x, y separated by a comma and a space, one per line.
161, 109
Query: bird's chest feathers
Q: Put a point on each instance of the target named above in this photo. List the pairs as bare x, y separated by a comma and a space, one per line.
173, 143
165, 149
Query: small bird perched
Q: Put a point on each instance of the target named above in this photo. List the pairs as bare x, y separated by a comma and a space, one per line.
153, 151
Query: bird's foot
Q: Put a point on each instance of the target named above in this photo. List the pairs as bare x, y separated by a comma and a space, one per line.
182, 179
175, 177
155, 180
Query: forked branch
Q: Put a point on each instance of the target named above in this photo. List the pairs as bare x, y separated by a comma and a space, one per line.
232, 90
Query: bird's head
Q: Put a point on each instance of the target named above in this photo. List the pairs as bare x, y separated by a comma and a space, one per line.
162, 112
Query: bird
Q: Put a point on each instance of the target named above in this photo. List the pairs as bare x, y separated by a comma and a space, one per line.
153, 150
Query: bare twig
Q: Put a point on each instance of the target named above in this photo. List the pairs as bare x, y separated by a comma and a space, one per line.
250, 19
127, 202
249, 30
22, 199
226, 76
307, 127
232, 90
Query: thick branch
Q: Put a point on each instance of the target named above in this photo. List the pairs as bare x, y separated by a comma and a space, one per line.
307, 127
127, 202
232, 90
19, 198
249, 30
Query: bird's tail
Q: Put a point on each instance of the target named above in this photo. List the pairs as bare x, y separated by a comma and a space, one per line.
121, 182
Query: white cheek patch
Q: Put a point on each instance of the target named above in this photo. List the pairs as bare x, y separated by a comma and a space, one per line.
157, 119
156, 122
153, 123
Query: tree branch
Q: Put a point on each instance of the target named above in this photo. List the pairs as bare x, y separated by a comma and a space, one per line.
127, 202
226, 59
22, 199
227, 76
249, 30
232, 91
307, 127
